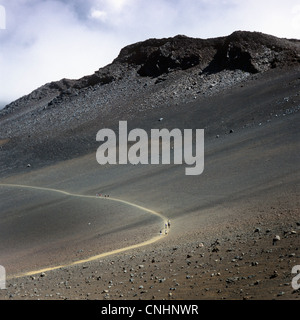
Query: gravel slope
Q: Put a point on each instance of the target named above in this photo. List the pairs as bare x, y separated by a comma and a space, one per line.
223, 222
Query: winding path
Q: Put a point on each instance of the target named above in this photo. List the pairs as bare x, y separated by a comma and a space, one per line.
96, 257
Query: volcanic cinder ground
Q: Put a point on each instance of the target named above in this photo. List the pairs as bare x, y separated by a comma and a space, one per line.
223, 222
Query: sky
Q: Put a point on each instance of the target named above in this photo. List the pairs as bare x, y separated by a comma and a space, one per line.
47, 40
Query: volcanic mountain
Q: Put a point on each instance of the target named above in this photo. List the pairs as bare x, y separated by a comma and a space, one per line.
243, 90
60, 119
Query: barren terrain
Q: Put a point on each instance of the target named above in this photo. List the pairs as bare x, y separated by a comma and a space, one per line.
223, 222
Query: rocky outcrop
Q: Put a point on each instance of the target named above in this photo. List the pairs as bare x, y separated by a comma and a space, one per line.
248, 51
254, 52
155, 57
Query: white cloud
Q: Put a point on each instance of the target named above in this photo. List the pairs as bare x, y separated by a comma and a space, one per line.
52, 43
99, 15
296, 18
118, 5
2, 17
46, 40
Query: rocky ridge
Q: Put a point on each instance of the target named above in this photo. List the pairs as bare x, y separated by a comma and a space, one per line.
145, 76
245, 51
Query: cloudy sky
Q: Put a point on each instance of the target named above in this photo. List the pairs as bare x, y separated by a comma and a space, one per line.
47, 40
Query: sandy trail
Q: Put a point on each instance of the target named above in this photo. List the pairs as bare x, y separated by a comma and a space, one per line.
96, 257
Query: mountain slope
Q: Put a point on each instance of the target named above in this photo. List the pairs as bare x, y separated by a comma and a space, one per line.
60, 120
243, 90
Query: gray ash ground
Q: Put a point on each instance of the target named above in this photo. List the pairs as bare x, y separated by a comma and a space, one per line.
230, 264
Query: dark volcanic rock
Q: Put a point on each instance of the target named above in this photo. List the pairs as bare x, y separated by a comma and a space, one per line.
254, 52
155, 57
251, 52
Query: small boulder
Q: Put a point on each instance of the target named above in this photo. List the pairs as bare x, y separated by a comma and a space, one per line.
276, 239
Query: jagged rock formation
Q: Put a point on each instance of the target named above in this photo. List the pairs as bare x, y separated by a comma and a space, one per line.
251, 52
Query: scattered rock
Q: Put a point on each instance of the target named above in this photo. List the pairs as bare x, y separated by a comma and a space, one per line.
292, 255
276, 239
215, 249
274, 275
232, 280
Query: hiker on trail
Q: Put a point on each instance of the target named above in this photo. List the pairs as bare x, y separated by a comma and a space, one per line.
160, 232
169, 223
166, 231
166, 225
